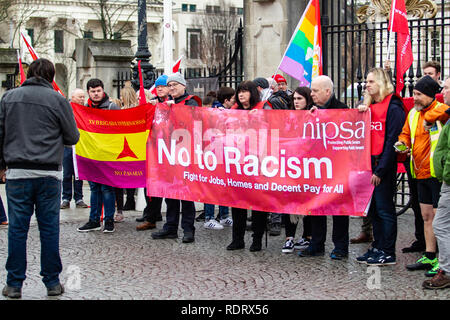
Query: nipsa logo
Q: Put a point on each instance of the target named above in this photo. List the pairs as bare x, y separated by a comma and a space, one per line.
325, 131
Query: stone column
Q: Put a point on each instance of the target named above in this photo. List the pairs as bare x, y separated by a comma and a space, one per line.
8, 64
269, 25
102, 59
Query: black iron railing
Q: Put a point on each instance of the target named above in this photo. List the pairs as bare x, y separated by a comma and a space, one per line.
351, 48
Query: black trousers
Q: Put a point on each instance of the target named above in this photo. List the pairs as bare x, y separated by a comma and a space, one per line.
119, 197
290, 227
259, 223
339, 236
307, 227
173, 215
153, 209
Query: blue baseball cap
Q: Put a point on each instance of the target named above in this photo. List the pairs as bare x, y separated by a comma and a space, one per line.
161, 81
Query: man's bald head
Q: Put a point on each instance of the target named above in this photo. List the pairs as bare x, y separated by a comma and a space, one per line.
321, 90
78, 96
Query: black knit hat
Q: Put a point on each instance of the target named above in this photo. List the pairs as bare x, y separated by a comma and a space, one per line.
261, 82
427, 86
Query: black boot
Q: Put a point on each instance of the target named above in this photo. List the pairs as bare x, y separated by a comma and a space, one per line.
259, 223
129, 205
236, 245
257, 243
238, 228
200, 217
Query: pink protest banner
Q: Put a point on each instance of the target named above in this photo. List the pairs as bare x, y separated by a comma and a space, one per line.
270, 160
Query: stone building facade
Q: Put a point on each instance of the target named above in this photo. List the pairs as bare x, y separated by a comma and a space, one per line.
53, 26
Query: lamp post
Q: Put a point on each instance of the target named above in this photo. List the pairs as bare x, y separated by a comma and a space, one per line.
142, 52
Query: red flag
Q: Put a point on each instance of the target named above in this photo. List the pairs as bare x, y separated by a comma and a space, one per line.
30, 48
22, 72
398, 22
35, 57
142, 99
318, 39
176, 67
153, 90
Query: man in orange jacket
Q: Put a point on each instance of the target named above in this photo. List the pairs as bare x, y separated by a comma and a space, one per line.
420, 135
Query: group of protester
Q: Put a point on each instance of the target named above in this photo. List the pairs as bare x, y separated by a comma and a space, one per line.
418, 130
31, 165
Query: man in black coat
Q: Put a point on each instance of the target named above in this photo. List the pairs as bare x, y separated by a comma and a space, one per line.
280, 97
322, 93
177, 91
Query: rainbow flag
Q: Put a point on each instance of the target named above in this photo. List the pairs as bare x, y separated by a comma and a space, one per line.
303, 57
112, 145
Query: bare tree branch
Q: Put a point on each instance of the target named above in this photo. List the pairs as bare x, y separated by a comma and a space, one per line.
109, 12
4, 9
218, 30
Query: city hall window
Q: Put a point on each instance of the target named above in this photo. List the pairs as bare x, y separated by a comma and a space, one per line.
59, 41
193, 43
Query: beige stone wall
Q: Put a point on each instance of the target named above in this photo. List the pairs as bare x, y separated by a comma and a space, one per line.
264, 37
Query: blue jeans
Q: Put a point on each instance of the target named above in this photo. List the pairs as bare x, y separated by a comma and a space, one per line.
41, 195
384, 217
2, 212
68, 177
209, 212
102, 195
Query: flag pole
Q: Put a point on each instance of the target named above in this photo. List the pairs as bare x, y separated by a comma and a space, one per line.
167, 25
21, 71
176, 66
391, 38
35, 56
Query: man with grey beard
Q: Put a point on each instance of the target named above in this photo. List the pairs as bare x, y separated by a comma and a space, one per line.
441, 222
420, 135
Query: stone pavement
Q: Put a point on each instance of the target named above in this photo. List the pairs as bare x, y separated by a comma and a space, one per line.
131, 265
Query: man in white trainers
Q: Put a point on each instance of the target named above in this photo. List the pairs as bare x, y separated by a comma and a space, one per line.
212, 223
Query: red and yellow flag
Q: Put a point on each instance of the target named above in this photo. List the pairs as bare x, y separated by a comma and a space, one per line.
112, 145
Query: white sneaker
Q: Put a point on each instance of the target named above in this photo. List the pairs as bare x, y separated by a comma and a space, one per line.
288, 246
302, 243
213, 224
227, 222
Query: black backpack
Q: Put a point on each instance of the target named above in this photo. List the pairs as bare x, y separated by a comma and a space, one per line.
280, 100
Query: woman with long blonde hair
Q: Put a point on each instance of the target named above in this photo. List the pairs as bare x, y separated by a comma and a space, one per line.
387, 119
128, 97
382, 88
